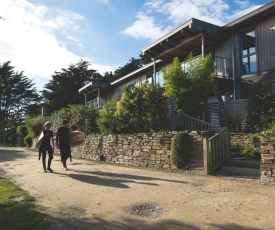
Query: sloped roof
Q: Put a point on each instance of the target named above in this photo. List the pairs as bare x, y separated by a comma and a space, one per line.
187, 37
140, 71
183, 40
93, 85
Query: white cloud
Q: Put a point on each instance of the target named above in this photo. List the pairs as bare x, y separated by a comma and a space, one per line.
172, 13
145, 28
242, 4
179, 11
241, 12
36, 39
104, 1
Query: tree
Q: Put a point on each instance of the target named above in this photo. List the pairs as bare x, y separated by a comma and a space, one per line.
131, 66
107, 121
81, 118
144, 59
17, 96
190, 86
62, 90
260, 108
109, 76
144, 108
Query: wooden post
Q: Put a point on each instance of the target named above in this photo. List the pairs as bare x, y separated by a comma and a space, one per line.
205, 144
172, 112
154, 72
203, 44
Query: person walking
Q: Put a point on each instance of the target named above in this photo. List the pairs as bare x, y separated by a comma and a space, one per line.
46, 146
62, 142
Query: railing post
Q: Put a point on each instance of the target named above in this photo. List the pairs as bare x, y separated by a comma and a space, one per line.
172, 112
227, 139
205, 144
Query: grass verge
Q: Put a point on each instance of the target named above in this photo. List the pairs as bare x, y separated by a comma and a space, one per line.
17, 209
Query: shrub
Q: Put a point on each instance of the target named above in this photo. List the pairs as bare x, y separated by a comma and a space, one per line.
227, 120
9, 136
260, 109
81, 118
181, 149
22, 130
250, 152
28, 141
234, 147
12, 138
270, 129
35, 125
144, 108
107, 122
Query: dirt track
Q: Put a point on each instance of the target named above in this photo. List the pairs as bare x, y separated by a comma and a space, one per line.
100, 196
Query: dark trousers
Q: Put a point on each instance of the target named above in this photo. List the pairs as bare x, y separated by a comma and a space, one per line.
44, 151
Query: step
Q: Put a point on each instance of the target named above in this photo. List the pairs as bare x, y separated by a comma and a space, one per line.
242, 167
250, 172
243, 163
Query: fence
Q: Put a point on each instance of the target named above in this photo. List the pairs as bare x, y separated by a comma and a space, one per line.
216, 150
186, 122
236, 111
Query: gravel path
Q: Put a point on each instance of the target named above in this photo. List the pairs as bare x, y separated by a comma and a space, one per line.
109, 197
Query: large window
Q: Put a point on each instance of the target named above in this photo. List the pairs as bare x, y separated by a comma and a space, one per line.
149, 77
132, 85
249, 55
159, 78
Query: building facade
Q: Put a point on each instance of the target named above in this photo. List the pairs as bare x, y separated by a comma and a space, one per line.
244, 52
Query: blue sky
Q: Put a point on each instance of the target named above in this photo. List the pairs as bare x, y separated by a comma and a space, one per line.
40, 37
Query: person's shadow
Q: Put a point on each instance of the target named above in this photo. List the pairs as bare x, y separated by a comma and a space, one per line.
113, 179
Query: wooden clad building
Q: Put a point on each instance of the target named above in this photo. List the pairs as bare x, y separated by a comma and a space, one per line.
244, 51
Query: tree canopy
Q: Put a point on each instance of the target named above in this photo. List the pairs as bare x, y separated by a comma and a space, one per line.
132, 65
17, 96
192, 85
144, 108
260, 108
62, 90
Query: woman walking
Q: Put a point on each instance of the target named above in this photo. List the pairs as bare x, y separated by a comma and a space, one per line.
47, 147
62, 142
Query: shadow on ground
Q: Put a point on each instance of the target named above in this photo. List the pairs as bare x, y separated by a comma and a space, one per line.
98, 223
11, 155
114, 179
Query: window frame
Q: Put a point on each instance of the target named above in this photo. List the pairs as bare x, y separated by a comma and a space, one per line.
248, 55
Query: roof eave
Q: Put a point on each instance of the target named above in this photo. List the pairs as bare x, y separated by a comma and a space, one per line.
134, 72
192, 24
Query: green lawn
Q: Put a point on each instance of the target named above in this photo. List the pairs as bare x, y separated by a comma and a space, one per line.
17, 209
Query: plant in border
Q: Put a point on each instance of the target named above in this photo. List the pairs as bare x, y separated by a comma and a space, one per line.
181, 149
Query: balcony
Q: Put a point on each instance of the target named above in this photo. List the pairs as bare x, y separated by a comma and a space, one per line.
223, 67
96, 103
93, 103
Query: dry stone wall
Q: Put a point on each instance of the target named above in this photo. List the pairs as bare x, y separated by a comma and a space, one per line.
267, 159
240, 139
151, 150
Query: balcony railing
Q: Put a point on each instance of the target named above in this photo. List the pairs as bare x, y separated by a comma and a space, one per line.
93, 103
223, 67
